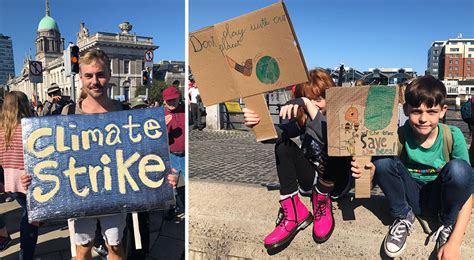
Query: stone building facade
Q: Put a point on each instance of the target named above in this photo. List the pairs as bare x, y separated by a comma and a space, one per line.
125, 50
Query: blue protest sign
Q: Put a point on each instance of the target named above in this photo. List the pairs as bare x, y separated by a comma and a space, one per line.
98, 164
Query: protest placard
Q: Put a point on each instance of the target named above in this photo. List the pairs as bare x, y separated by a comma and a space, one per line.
97, 164
246, 56
362, 122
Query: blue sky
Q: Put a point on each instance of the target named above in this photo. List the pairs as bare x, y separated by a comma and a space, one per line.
359, 33
161, 19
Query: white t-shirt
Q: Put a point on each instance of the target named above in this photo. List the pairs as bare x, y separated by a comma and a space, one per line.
194, 92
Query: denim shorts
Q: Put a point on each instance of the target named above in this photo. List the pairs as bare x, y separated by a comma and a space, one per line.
177, 162
112, 229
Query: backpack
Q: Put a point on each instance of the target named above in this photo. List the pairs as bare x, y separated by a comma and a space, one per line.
467, 112
447, 143
69, 109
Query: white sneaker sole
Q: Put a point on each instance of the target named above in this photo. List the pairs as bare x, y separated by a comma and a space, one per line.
393, 254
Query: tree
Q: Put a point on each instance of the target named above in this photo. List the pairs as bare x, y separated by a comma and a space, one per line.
154, 93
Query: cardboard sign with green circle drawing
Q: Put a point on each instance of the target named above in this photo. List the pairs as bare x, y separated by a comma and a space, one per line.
245, 57
362, 121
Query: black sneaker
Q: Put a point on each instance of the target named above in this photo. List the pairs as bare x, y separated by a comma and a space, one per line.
441, 236
101, 250
395, 240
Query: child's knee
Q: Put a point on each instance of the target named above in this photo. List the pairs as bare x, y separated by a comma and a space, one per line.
284, 147
382, 164
459, 171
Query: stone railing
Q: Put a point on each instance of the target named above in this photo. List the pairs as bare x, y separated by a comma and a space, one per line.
117, 38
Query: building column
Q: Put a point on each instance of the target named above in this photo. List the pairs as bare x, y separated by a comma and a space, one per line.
213, 117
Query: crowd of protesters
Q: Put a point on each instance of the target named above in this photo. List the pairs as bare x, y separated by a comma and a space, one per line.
104, 234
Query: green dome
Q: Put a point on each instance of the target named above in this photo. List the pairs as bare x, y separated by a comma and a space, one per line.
48, 23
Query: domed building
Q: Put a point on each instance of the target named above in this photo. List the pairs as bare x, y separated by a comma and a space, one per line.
49, 48
49, 44
125, 50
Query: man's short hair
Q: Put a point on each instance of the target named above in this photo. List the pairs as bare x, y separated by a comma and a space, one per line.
91, 56
425, 90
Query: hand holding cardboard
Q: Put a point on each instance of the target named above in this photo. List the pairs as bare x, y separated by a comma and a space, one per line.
245, 57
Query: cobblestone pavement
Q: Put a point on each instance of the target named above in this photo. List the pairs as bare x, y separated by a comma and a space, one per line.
230, 156
454, 118
235, 156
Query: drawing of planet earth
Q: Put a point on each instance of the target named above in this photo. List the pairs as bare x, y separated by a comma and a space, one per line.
267, 70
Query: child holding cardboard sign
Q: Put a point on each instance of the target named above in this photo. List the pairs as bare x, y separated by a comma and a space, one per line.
423, 180
308, 167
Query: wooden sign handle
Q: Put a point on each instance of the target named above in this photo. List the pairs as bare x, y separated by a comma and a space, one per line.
72, 240
363, 185
265, 130
136, 231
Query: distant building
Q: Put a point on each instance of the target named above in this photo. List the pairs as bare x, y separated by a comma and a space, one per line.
452, 59
388, 76
459, 59
435, 59
125, 50
49, 50
7, 65
350, 75
171, 72
374, 76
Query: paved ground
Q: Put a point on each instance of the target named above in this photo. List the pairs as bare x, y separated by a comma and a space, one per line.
231, 211
230, 220
166, 237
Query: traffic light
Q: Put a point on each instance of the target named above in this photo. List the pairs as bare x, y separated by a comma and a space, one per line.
74, 59
145, 78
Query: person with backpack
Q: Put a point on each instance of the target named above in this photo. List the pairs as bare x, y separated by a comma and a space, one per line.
56, 102
426, 180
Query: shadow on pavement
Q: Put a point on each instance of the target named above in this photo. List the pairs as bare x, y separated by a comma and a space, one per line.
376, 204
12, 219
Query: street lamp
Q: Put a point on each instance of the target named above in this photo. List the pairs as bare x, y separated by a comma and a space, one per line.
339, 79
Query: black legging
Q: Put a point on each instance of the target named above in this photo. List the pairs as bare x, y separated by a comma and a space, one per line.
295, 170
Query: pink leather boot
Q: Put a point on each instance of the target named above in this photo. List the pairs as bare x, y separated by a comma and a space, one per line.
323, 218
293, 217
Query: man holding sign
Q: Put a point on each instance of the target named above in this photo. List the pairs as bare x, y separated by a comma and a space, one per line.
95, 75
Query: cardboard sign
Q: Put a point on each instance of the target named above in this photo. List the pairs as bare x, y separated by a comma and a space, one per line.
98, 164
247, 56
362, 122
